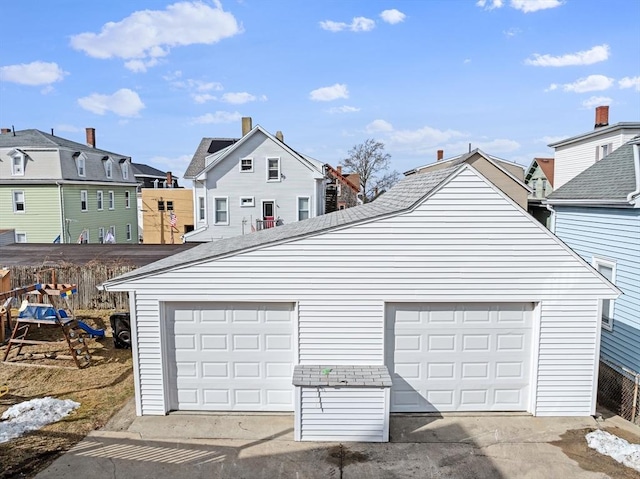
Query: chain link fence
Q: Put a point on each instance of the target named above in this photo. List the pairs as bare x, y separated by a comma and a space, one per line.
619, 391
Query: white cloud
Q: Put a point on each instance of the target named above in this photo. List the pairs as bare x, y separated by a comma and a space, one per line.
552, 87
596, 54
590, 83
203, 97
392, 16
358, 24
489, 4
343, 109
218, 117
330, 93
595, 101
528, 6
32, 74
512, 32
467, 60
67, 128
238, 98
551, 139
147, 35
630, 82
378, 126
124, 102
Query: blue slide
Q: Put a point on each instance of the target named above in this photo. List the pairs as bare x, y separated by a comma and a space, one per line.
96, 333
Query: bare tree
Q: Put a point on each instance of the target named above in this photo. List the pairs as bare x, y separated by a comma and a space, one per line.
370, 161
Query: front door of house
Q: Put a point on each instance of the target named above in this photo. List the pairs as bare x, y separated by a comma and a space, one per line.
268, 209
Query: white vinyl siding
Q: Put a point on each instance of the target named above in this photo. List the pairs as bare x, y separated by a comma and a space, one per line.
19, 204
343, 414
466, 243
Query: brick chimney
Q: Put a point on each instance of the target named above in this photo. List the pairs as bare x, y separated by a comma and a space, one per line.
247, 125
169, 180
5, 131
280, 136
440, 155
339, 169
91, 137
602, 116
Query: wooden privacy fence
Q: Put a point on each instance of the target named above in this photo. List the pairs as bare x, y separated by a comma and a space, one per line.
87, 277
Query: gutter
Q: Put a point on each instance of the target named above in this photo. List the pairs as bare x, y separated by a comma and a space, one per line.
62, 217
631, 197
594, 202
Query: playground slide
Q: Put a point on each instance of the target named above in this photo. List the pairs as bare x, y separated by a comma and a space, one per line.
98, 333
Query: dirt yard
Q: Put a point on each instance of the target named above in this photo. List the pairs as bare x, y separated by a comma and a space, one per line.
101, 389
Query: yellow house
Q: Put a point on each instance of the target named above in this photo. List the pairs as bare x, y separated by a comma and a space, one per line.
167, 214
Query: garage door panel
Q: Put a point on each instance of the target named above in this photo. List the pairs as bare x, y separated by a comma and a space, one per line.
459, 357
232, 356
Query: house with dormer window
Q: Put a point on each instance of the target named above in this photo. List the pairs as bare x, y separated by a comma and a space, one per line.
53, 189
242, 185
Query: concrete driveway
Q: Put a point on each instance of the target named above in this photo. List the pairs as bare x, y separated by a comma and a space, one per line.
257, 446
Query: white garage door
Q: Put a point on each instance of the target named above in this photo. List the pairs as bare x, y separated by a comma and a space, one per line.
230, 356
459, 357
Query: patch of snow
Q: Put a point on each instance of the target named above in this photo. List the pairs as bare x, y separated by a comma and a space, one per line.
615, 447
32, 415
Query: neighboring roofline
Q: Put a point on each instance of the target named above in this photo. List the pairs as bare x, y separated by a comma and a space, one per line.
596, 132
235, 145
342, 177
588, 202
55, 181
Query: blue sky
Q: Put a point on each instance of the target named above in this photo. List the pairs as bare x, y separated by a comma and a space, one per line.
154, 77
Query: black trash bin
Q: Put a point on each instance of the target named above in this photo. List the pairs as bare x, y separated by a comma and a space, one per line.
121, 327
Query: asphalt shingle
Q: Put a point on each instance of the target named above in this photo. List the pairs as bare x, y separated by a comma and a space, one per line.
402, 196
611, 178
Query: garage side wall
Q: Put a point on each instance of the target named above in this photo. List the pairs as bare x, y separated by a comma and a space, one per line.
466, 243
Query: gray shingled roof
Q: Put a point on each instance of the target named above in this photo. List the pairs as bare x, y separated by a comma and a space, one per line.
611, 178
40, 139
140, 169
404, 195
205, 148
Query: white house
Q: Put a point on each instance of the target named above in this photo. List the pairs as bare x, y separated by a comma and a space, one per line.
252, 183
468, 301
576, 154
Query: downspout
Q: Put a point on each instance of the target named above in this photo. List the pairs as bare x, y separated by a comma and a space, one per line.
62, 217
552, 222
636, 166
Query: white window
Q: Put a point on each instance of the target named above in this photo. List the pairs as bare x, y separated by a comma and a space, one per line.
603, 150
127, 199
303, 207
101, 235
20, 237
17, 164
83, 201
84, 237
201, 211
128, 232
273, 169
125, 170
246, 201
18, 201
608, 270
81, 166
99, 199
108, 168
221, 213
112, 200
111, 235
534, 188
246, 165
544, 188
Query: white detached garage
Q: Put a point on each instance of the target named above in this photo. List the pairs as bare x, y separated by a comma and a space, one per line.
469, 303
